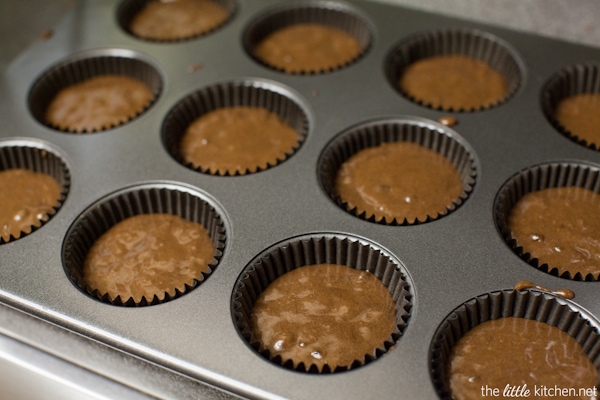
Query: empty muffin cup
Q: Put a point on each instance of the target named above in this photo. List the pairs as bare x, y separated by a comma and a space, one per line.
235, 128
333, 266
457, 370
95, 91
34, 182
171, 21
177, 237
547, 216
398, 171
571, 102
308, 37
459, 70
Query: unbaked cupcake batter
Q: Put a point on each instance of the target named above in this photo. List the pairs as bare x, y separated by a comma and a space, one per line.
324, 314
518, 351
147, 255
398, 180
453, 82
177, 19
560, 227
26, 199
237, 140
580, 115
98, 103
307, 47
564, 293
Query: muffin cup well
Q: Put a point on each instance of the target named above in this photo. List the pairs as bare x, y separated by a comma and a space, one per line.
88, 65
571, 81
425, 133
129, 8
246, 93
472, 43
539, 177
142, 199
319, 249
528, 304
329, 13
40, 158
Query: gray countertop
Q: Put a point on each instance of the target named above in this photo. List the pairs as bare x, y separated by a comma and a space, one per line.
570, 20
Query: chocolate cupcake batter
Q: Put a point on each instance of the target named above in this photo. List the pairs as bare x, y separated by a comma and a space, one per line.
518, 351
306, 47
177, 19
398, 180
26, 199
580, 115
324, 314
453, 82
560, 227
98, 103
237, 140
148, 255
564, 293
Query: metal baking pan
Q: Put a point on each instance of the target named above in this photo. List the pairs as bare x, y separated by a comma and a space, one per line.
446, 261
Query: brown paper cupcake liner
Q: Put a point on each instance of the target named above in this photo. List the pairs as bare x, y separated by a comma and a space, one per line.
539, 177
329, 13
571, 81
319, 249
528, 304
420, 131
142, 199
472, 43
86, 66
36, 157
129, 8
233, 94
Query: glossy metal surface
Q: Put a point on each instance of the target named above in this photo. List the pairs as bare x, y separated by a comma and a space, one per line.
449, 260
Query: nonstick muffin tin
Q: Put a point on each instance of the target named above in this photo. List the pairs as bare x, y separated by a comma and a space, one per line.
446, 261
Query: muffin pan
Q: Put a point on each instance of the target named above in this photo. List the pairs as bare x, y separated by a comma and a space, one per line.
445, 262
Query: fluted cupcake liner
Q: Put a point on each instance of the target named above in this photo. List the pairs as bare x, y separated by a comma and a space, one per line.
329, 13
430, 135
570, 81
88, 65
245, 93
40, 158
528, 304
535, 178
129, 8
472, 43
319, 249
143, 199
